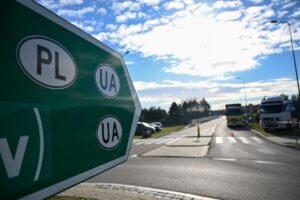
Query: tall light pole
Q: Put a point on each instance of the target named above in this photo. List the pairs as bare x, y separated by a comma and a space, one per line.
244, 92
293, 52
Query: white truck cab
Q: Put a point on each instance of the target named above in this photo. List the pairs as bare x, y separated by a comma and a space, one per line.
276, 112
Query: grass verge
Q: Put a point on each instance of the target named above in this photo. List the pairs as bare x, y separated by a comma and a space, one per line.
165, 131
283, 132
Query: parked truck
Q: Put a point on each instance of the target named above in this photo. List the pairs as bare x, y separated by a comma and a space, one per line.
276, 112
233, 114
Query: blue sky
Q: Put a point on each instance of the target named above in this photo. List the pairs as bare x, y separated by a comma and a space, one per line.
187, 48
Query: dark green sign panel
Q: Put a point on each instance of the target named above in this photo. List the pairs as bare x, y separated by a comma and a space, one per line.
68, 108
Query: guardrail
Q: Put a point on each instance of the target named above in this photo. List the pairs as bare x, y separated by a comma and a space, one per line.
204, 119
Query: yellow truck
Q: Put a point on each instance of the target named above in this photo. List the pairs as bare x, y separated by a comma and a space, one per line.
233, 114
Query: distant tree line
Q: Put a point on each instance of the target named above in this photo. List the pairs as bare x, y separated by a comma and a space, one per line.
178, 113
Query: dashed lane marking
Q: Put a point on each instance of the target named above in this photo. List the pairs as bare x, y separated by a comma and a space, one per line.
268, 162
225, 159
255, 161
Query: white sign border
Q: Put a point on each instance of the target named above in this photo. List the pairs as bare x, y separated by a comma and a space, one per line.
56, 188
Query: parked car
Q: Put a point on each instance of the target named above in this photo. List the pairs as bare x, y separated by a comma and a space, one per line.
159, 124
157, 127
144, 129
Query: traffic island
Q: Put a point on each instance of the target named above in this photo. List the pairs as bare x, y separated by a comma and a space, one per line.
191, 142
191, 147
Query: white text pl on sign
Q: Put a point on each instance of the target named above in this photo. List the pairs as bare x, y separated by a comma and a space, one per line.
46, 62
109, 132
107, 80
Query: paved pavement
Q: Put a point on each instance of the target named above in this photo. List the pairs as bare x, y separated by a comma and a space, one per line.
106, 191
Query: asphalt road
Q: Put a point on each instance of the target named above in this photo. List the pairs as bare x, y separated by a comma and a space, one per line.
239, 165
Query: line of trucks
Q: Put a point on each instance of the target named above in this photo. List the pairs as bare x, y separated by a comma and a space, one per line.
275, 113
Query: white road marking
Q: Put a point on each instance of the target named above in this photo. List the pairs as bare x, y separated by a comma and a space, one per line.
174, 140
256, 139
148, 140
244, 140
225, 159
268, 162
133, 156
155, 140
231, 140
219, 140
163, 141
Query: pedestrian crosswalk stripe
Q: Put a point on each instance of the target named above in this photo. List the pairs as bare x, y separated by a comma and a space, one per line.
154, 141
231, 140
144, 142
174, 140
256, 139
219, 140
244, 140
164, 141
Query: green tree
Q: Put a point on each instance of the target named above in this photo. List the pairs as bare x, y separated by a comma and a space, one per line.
174, 113
204, 106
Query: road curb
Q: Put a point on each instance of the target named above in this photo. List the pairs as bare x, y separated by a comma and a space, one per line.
119, 191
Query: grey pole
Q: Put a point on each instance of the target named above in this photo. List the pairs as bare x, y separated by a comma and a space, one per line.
244, 92
293, 52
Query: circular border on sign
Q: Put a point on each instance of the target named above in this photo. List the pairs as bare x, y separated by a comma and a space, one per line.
99, 122
29, 75
99, 89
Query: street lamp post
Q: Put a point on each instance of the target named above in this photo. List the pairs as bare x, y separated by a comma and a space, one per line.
127, 52
244, 93
293, 52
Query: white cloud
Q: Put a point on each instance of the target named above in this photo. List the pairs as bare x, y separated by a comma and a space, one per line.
227, 4
289, 5
101, 36
126, 16
75, 13
70, 2
129, 62
282, 13
196, 42
216, 93
83, 27
50, 4
102, 11
149, 2
296, 13
118, 7
256, 1
174, 5
111, 27
229, 16
142, 15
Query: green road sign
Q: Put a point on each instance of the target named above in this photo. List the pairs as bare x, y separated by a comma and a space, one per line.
68, 108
